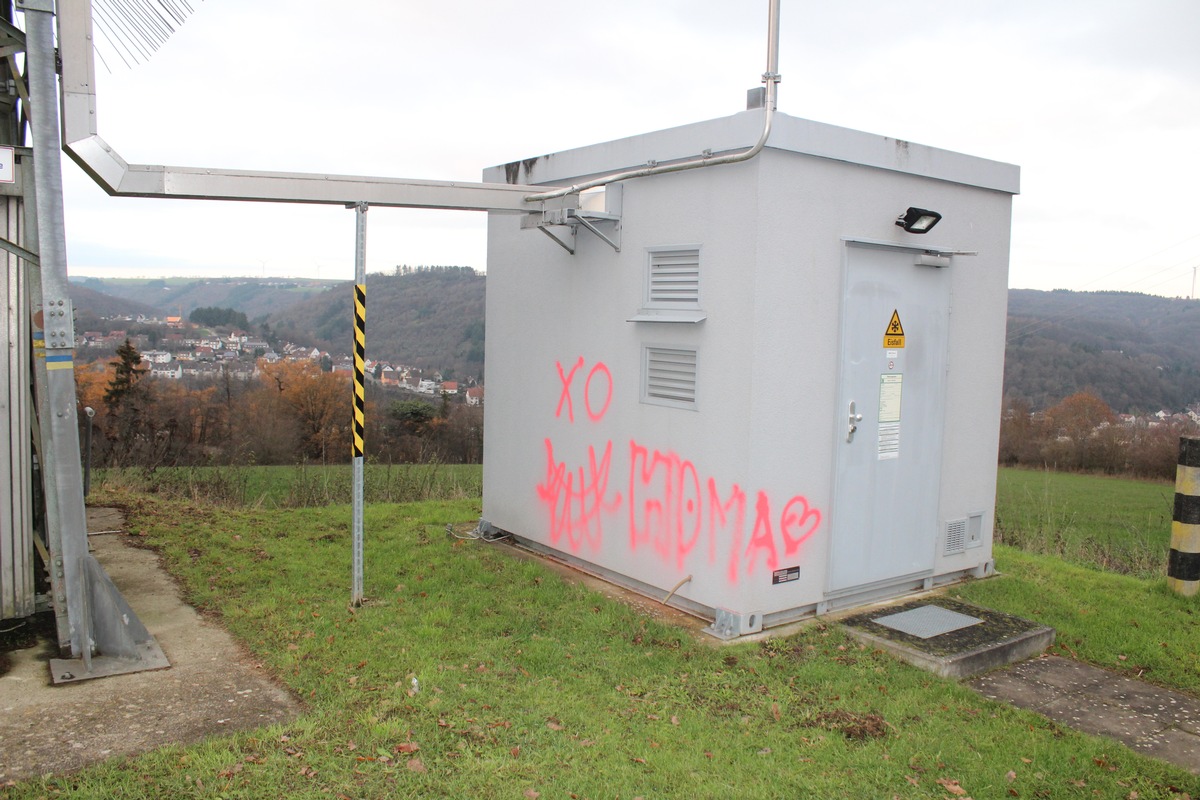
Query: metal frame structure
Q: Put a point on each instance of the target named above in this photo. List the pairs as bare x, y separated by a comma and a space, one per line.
98, 633
118, 177
17, 587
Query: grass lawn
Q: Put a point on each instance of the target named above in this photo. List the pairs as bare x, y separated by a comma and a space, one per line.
1117, 524
299, 486
473, 674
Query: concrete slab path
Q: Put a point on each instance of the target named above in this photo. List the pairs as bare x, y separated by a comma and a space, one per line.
1148, 719
212, 688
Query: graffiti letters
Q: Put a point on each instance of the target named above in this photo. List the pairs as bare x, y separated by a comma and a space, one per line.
567, 378
671, 509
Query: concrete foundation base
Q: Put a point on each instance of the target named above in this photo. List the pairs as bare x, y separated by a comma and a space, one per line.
994, 640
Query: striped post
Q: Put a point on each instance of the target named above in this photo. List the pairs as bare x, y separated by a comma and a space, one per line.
1183, 565
360, 353
360, 358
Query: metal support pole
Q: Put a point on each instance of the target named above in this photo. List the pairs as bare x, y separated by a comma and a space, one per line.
101, 633
87, 450
1183, 564
54, 327
360, 351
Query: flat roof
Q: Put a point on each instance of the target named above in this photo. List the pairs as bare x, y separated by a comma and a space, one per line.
741, 131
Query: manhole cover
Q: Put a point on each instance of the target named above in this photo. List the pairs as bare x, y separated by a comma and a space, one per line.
927, 621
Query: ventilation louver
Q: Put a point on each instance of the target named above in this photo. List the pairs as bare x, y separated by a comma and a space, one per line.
670, 376
956, 537
674, 278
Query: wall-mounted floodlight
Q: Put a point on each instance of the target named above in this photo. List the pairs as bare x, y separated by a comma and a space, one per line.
918, 220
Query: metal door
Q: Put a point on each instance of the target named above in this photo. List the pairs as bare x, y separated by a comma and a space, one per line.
895, 316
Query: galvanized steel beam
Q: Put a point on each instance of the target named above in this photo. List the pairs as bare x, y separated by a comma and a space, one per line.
118, 177
103, 636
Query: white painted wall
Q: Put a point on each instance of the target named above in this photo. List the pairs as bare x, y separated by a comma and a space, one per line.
772, 234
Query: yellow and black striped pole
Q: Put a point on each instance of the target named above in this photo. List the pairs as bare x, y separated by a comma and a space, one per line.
1183, 565
360, 354
360, 360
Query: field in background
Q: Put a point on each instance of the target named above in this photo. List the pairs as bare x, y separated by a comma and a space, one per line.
1116, 524
303, 486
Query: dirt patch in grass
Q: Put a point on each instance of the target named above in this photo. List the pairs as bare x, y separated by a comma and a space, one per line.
852, 725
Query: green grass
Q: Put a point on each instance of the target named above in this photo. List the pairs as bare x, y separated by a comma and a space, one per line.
532, 686
302, 486
1116, 524
1135, 626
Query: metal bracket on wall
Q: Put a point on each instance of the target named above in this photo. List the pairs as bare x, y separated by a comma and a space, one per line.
586, 217
58, 321
732, 624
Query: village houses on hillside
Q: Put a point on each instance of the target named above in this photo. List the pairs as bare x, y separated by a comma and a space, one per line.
187, 351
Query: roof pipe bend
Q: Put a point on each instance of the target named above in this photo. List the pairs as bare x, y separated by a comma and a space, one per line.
770, 78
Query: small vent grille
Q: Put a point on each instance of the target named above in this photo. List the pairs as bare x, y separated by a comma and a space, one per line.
674, 278
956, 536
670, 377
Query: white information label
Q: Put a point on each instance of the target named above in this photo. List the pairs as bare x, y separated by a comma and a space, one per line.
889, 440
890, 389
8, 165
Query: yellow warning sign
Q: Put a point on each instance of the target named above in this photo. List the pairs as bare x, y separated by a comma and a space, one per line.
894, 336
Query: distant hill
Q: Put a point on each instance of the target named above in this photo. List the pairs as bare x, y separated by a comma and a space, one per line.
431, 319
92, 304
256, 297
1137, 352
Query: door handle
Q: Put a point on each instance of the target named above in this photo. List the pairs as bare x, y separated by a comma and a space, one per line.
854, 420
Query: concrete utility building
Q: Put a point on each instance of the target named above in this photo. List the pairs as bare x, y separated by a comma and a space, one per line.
748, 383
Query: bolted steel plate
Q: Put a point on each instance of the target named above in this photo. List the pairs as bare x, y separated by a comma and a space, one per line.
926, 622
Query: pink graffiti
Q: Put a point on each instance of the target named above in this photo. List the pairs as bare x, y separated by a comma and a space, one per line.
577, 501
587, 392
663, 518
667, 511
564, 397
671, 507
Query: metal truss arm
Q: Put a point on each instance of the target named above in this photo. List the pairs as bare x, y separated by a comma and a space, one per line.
118, 177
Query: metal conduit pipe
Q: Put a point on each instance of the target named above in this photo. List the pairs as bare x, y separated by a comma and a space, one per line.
770, 79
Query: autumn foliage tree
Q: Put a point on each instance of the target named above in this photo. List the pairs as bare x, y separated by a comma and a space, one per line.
1081, 432
289, 412
317, 404
1077, 424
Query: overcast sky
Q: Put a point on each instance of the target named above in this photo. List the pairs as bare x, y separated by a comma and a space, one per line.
1097, 101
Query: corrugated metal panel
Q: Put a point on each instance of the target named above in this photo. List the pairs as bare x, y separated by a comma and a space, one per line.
674, 278
16, 526
670, 376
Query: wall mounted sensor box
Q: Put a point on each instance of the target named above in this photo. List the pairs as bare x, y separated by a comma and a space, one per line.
754, 386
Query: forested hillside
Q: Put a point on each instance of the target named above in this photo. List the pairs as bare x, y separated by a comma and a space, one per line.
430, 318
92, 304
1136, 352
255, 297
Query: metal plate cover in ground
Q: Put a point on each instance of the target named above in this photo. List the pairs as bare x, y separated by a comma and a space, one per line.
926, 622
